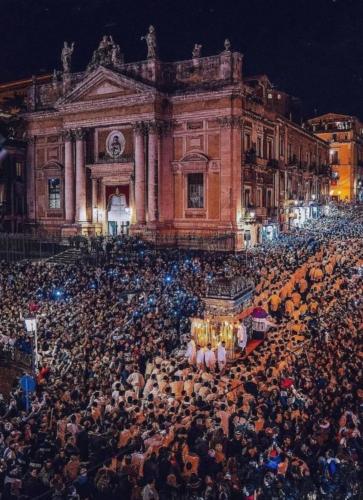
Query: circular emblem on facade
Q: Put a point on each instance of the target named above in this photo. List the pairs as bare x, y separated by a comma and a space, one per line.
115, 144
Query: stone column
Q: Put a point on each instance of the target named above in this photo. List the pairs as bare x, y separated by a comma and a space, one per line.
152, 158
94, 199
139, 173
132, 199
68, 177
81, 214
30, 178
165, 174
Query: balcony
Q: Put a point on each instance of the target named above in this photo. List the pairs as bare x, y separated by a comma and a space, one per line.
272, 212
250, 157
324, 170
334, 160
292, 161
272, 163
330, 127
109, 159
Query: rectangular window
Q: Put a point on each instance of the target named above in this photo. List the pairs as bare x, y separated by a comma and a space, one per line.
195, 191
54, 200
259, 147
269, 149
247, 142
289, 151
334, 157
248, 201
259, 198
19, 169
282, 140
269, 198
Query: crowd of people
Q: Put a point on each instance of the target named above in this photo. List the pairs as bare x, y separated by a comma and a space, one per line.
120, 411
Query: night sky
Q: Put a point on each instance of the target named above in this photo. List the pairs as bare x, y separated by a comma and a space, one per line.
312, 49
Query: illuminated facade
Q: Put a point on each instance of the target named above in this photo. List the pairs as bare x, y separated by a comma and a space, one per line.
188, 147
344, 134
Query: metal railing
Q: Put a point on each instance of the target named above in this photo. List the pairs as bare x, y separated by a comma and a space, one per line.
15, 247
223, 242
10, 356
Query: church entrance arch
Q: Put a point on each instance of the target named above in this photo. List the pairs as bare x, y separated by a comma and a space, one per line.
118, 215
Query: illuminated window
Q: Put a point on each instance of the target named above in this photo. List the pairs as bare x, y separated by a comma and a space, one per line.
334, 157
195, 191
54, 200
19, 169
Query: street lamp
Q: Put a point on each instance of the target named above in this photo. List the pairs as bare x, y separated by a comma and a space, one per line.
31, 328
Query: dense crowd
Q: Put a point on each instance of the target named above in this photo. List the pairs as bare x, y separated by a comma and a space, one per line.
119, 411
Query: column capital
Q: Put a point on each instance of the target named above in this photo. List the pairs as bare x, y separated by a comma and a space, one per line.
67, 135
30, 139
155, 127
139, 128
80, 133
230, 121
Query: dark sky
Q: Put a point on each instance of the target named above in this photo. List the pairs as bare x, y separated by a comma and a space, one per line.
310, 48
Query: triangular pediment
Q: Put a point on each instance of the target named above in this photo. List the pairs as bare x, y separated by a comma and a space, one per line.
107, 89
101, 84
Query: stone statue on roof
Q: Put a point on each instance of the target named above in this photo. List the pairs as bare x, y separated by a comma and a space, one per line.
107, 54
197, 50
227, 45
66, 56
151, 43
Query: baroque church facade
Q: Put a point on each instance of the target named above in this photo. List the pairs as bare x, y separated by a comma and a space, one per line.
188, 147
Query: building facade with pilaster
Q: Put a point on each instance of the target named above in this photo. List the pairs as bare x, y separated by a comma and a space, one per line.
344, 133
173, 148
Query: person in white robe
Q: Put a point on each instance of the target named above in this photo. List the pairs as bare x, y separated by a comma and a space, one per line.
200, 357
191, 352
242, 336
222, 356
210, 358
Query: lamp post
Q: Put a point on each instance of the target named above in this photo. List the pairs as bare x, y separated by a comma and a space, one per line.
31, 328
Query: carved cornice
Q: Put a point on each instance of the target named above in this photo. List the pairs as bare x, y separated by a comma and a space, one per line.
230, 121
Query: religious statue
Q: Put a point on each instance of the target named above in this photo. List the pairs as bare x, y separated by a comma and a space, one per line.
108, 53
116, 54
115, 144
67, 52
197, 50
150, 39
115, 147
227, 45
